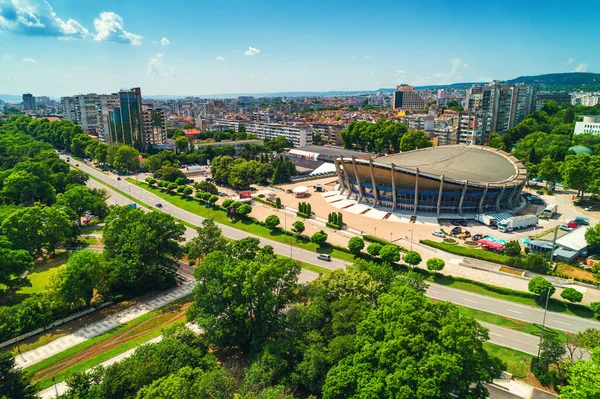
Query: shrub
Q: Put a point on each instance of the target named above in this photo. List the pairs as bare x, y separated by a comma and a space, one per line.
413, 258
512, 248
320, 237
180, 181
390, 253
470, 252
180, 189
261, 196
298, 228
272, 221
187, 190
226, 204
571, 295
277, 202
595, 306
435, 264
243, 210
374, 249
540, 286
213, 198
449, 240
332, 225
355, 245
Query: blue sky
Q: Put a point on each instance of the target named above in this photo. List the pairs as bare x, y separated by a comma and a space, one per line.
64, 47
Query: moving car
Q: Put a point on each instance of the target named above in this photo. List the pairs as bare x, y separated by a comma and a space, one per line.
565, 227
118, 177
456, 230
77, 164
438, 234
324, 257
159, 205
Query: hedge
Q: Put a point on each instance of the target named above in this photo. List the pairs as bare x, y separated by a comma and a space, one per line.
302, 215
332, 225
470, 252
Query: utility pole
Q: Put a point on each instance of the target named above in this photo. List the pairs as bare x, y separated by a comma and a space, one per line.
544, 320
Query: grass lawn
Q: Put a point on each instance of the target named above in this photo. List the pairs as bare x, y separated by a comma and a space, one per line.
481, 254
528, 299
502, 321
575, 272
93, 230
193, 206
517, 363
105, 346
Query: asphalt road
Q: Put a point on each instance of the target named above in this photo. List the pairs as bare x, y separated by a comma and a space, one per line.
498, 335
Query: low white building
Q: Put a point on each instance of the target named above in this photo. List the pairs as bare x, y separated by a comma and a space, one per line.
299, 135
590, 124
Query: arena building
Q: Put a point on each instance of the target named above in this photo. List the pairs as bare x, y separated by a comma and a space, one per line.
457, 179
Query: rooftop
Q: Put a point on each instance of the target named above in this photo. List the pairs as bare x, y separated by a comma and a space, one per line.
575, 240
457, 161
331, 151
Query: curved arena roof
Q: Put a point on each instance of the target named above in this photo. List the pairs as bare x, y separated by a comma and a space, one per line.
473, 163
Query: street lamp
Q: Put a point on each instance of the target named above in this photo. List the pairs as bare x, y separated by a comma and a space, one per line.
391, 237
544, 320
411, 238
55, 388
375, 231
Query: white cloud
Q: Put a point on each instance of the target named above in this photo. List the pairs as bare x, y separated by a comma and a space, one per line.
164, 41
158, 69
109, 27
581, 68
219, 58
465, 65
37, 18
251, 51
443, 78
569, 61
28, 61
399, 72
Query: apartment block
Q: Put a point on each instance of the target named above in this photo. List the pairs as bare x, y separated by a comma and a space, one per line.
407, 99
299, 135
154, 125
590, 124
29, 102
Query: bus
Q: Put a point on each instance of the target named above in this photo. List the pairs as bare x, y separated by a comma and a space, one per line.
549, 211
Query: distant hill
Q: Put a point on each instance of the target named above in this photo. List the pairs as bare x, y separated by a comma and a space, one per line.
559, 79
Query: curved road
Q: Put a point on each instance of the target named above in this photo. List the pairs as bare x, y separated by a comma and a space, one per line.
513, 310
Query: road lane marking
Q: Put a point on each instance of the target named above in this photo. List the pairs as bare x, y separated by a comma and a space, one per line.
561, 322
470, 300
498, 335
514, 311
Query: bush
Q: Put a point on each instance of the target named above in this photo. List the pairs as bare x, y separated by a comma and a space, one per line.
374, 249
320, 237
355, 245
390, 253
243, 210
571, 295
180, 189
595, 306
277, 203
180, 181
533, 262
413, 258
226, 204
540, 286
187, 190
261, 196
298, 228
272, 221
332, 225
449, 240
512, 248
435, 264
213, 198
302, 215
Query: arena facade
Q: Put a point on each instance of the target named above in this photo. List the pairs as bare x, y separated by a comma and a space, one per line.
456, 179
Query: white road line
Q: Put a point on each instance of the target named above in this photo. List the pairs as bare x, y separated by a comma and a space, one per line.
562, 322
470, 300
497, 335
514, 311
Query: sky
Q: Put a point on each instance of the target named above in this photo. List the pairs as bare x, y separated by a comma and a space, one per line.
198, 47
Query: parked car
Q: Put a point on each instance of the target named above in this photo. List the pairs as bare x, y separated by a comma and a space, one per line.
456, 230
540, 192
466, 234
438, 234
477, 237
573, 225
324, 257
565, 227
581, 221
222, 194
159, 205
77, 164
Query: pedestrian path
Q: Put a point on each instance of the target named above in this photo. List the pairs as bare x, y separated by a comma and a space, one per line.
93, 330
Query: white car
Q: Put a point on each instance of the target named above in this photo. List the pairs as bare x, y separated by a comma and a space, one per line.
438, 234
565, 227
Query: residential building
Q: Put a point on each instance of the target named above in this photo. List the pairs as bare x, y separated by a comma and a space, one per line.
299, 135
238, 144
330, 134
223, 125
108, 102
29, 102
442, 94
87, 111
470, 128
125, 121
407, 99
590, 124
423, 122
154, 125
68, 109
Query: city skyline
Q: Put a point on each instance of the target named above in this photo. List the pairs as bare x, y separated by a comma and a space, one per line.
59, 48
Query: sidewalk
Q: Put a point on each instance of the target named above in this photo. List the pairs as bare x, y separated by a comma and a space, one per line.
93, 330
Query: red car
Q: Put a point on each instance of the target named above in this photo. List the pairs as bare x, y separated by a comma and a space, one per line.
77, 164
573, 225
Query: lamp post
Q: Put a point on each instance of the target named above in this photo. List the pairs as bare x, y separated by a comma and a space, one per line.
544, 320
55, 388
411, 238
375, 231
391, 237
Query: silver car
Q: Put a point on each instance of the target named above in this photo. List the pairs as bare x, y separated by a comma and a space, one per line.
438, 234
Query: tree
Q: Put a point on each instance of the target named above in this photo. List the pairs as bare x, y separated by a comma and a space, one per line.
576, 172
413, 140
595, 306
206, 186
589, 338
583, 379
512, 248
79, 144
81, 199
143, 249
22, 187
243, 210
14, 383
23, 228
355, 245
272, 221
81, 277
571, 295
459, 367
182, 144
169, 173
541, 287
187, 191
172, 187
319, 238
413, 258
14, 263
552, 351
240, 302
190, 383
390, 253
151, 181
413, 280
212, 199
298, 228
126, 159
209, 238
374, 248
435, 264
592, 237
549, 170
56, 227
76, 176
